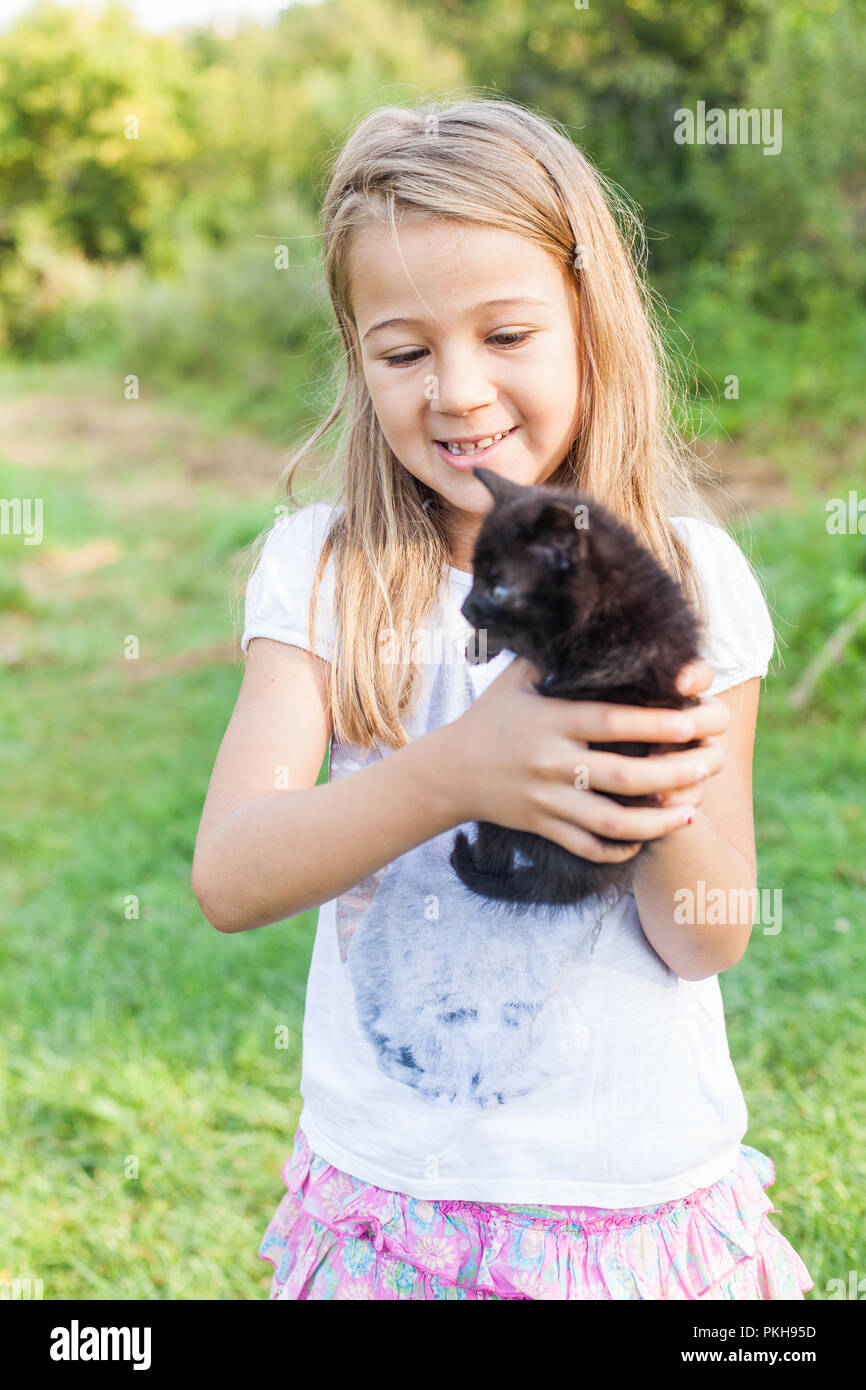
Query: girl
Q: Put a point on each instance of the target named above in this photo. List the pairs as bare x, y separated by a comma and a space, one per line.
493, 1108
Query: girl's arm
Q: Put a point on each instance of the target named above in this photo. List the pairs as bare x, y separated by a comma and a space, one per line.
272, 844
708, 870
264, 853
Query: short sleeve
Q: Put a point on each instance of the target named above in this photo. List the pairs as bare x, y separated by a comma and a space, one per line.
278, 592
739, 639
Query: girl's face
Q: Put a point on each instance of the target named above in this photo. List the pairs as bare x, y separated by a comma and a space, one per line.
467, 332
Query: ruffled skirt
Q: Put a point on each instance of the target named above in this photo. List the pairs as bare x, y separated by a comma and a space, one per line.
334, 1236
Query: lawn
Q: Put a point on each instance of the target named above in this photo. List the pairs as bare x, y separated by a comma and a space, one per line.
147, 1105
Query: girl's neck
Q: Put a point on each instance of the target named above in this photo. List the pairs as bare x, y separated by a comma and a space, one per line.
461, 542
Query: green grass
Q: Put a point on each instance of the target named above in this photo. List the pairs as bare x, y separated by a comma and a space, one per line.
146, 1108
794, 1005
150, 1038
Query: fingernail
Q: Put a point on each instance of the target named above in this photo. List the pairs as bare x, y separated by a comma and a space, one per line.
687, 816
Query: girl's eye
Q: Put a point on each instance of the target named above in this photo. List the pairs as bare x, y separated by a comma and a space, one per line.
407, 358
509, 339
404, 357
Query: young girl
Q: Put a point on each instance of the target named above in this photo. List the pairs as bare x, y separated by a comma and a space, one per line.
494, 1107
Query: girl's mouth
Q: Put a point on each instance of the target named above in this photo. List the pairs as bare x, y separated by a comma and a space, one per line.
464, 463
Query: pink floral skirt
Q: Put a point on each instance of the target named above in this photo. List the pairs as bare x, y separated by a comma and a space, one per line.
334, 1236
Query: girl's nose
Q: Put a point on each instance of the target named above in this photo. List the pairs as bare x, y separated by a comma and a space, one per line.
459, 387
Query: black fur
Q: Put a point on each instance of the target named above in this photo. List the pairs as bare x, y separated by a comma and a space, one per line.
560, 581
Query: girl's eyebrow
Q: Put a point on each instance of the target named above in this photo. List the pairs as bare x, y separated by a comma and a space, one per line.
476, 308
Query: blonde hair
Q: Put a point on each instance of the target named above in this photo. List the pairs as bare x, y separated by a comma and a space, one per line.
491, 162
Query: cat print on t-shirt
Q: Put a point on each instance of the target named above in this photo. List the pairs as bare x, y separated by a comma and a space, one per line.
464, 1011
458, 997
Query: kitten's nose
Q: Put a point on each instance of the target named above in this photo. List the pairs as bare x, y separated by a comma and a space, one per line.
478, 611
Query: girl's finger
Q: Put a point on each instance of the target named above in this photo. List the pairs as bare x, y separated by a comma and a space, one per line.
683, 796
695, 677
711, 716
610, 821
661, 772
601, 722
579, 841
522, 672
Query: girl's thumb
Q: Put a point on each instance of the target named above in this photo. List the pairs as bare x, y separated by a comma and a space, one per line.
524, 673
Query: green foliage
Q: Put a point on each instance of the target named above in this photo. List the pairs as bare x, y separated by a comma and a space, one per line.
616, 74
115, 144
785, 371
145, 181
96, 145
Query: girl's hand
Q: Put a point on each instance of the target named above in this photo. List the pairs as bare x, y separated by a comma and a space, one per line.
694, 678
523, 761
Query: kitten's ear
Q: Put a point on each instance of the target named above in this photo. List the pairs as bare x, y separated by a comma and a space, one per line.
559, 518
502, 489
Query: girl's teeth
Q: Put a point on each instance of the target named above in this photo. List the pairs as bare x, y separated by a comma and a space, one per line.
474, 448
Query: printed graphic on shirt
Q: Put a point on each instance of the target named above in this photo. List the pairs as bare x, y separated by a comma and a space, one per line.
467, 1007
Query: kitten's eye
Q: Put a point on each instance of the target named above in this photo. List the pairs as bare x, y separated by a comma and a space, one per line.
499, 593
555, 558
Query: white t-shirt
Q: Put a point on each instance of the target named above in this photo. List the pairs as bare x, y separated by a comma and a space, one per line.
452, 1053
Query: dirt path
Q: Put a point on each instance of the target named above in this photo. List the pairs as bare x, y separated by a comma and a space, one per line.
109, 440
112, 439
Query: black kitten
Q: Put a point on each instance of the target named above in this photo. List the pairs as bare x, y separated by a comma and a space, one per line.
560, 581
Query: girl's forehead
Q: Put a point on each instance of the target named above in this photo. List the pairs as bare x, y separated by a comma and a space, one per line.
463, 265
443, 243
